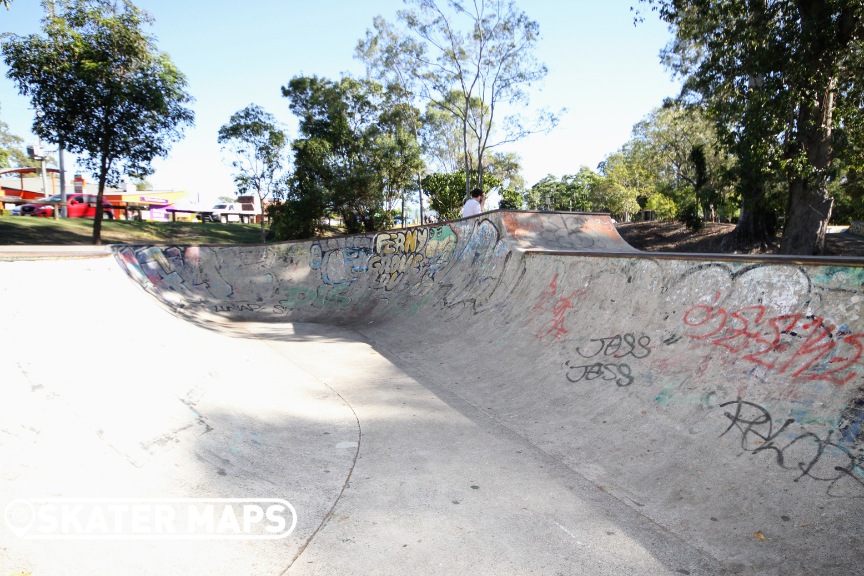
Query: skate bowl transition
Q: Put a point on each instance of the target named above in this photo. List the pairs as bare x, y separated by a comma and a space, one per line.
723, 399
711, 405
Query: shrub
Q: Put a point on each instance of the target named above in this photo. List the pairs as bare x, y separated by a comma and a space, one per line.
691, 216
664, 207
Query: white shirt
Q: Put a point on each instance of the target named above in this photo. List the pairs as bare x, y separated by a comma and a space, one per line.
472, 208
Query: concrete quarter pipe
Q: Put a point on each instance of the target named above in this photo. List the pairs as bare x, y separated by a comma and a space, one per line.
520, 393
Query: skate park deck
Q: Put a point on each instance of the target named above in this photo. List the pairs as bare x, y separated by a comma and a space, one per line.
515, 393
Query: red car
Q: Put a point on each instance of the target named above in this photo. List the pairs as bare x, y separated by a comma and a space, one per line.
77, 206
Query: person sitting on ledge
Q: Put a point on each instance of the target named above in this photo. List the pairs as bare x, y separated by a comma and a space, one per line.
474, 205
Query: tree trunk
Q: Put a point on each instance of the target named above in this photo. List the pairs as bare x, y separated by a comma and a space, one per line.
755, 222
467, 163
97, 217
806, 220
809, 208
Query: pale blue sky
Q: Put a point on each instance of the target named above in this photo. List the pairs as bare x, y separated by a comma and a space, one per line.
605, 71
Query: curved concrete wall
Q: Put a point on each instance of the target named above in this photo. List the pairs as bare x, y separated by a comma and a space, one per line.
721, 398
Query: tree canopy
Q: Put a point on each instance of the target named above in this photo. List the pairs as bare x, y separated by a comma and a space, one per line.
12, 153
781, 80
446, 192
468, 60
257, 146
357, 153
101, 89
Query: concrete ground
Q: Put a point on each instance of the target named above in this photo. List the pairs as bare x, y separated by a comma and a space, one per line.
506, 395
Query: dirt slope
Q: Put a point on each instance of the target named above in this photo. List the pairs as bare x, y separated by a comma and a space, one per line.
670, 236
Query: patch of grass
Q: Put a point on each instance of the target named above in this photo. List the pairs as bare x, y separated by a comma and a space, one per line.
47, 231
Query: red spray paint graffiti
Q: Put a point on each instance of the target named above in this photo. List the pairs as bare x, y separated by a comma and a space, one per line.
555, 326
797, 344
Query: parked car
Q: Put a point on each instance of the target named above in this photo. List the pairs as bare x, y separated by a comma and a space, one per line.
228, 212
77, 206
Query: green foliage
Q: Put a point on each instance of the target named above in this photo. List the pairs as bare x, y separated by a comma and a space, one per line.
674, 156
446, 192
142, 184
691, 215
308, 199
777, 77
101, 89
441, 140
12, 154
511, 200
848, 192
624, 181
294, 219
357, 153
468, 60
258, 146
550, 193
572, 192
664, 207
397, 151
506, 169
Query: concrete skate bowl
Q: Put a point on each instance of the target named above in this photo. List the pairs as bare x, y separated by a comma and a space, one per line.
721, 398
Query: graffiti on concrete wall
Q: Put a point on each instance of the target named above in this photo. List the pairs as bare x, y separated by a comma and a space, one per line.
340, 264
559, 305
617, 346
411, 258
798, 344
793, 340
160, 267
407, 261
485, 262
566, 232
817, 457
327, 297
608, 354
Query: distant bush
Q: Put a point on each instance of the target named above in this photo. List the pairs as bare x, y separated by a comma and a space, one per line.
292, 220
691, 216
664, 207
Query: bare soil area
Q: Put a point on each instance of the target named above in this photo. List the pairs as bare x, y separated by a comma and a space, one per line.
669, 236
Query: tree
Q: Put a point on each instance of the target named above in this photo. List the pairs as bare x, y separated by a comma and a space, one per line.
397, 149
571, 192
357, 150
778, 76
506, 168
848, 194
308, 197
683, 159
258, 147
142, 184
12, 154
622, 183
511, 200
101, 89
582, 189
446, 192
548, 194
440, 141
337, 126
483, 51
664, 208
